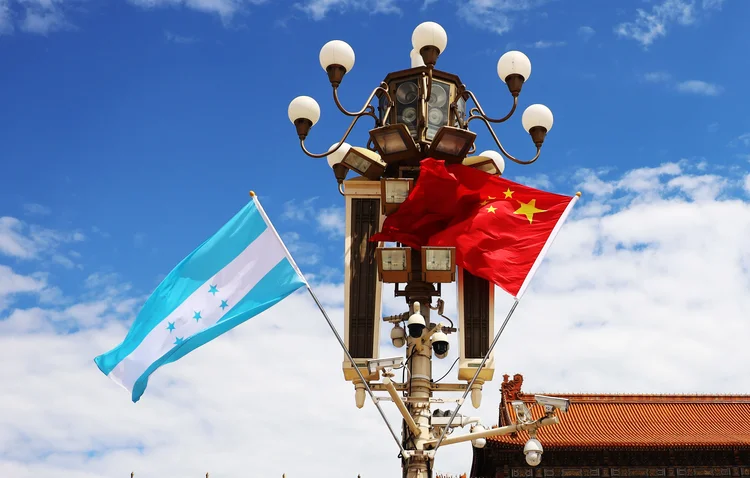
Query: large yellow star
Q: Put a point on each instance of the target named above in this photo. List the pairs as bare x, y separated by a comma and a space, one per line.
528, 210
508, 193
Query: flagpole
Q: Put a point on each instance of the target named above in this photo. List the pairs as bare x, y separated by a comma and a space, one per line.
547, 244
476, 374
330, 323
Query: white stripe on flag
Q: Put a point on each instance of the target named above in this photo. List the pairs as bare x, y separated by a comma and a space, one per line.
235, 281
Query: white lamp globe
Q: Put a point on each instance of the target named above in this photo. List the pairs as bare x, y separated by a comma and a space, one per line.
537, 115
337, 156
496, 158
514, 62
429, 34
337, 52
304, 107
416, 59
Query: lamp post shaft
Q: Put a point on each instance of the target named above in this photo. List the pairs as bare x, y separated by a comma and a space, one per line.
419, 390
418, 398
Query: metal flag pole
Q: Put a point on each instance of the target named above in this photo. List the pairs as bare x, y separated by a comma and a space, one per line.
330, 323
476, 374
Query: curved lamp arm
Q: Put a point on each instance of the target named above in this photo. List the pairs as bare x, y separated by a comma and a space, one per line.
365, 111
483, 115
368, 109
341, 189
502, 149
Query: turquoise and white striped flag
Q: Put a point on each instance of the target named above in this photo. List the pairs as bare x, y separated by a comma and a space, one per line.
235, 275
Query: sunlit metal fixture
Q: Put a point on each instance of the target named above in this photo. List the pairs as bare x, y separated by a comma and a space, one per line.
394, 264
421, 111
394, 191
439, 264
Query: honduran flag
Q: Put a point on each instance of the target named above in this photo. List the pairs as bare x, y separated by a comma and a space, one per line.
236, 274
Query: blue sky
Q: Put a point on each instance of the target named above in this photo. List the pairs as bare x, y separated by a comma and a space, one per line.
153, 123
131, 131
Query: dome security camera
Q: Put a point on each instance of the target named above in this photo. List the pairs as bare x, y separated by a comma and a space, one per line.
440, 344
398, 336
533, 451
416, 323
478, 442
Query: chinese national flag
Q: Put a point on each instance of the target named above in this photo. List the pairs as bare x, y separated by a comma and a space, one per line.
500, 229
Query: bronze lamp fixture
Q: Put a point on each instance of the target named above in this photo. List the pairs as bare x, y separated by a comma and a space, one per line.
421, 112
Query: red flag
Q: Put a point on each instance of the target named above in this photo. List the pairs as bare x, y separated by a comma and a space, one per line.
500, 229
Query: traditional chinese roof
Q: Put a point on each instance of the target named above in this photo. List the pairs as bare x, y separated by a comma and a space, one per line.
633, 421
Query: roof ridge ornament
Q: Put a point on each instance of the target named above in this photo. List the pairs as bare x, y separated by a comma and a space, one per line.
512, 388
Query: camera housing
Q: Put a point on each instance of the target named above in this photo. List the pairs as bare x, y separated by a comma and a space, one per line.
440, 344
551, 403
478, 442
373, 365
416, 325
533, 451
398, 336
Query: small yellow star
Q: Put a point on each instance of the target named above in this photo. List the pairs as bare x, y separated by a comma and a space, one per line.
484, 203
528, 209
492, 209
508, 193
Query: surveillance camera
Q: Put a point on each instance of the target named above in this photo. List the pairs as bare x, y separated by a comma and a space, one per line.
478, 442
440, 344
398, 336
550, 403
533, 451
388, 362
415, 325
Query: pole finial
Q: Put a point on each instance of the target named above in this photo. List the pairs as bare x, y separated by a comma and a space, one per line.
252, 194
578, 194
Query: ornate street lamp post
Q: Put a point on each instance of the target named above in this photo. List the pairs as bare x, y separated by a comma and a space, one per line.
418, 113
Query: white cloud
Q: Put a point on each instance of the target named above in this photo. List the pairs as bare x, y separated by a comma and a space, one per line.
699, 88
36, 209
179, 39
328, 219
12, 284
744, 139
657, 77
318, 9
497, 16
23, 241
545, 44
699, 188
644, 291
650, 25
305, 253
586, 32
540, 181
6, 17
33, 16
332, 221
225, 9
696, 87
